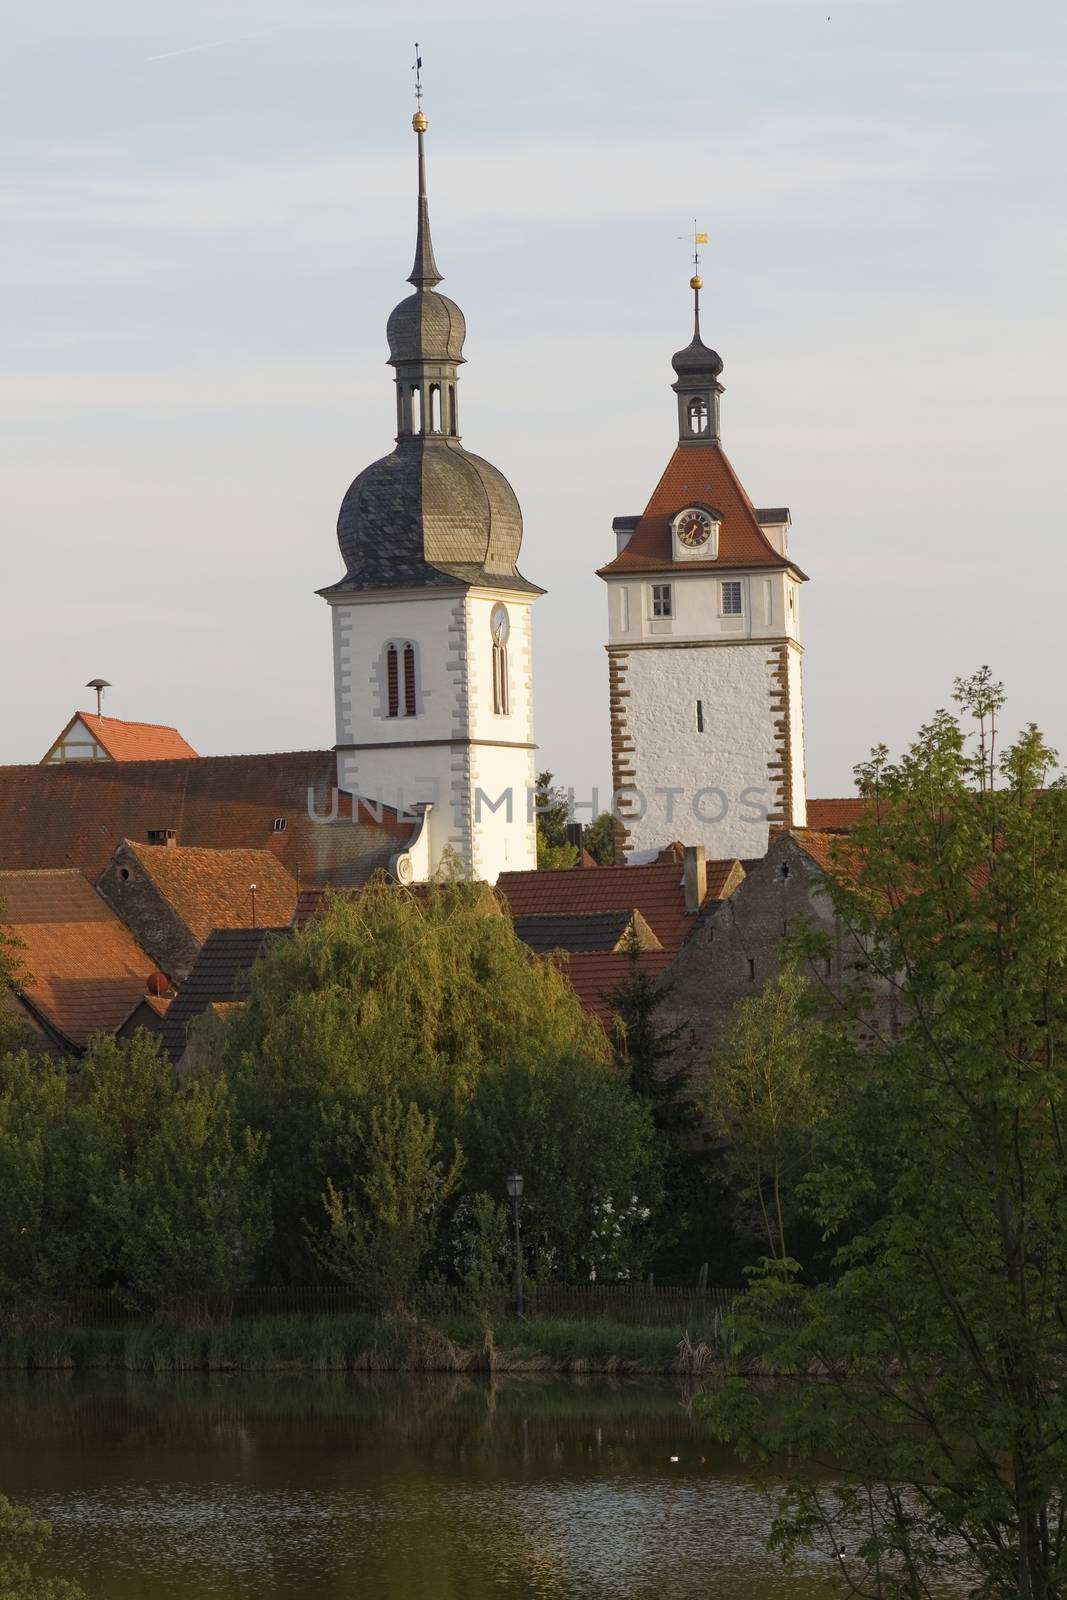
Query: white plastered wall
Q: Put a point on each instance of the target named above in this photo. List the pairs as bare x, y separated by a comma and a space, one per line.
721, 775
455, 745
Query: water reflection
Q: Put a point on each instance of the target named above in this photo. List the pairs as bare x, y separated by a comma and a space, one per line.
283, 1486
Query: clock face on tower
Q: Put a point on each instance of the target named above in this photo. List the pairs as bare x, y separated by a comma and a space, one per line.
693, 528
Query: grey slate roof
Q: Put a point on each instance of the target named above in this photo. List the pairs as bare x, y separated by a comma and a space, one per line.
430, 514
219, 977
603, 930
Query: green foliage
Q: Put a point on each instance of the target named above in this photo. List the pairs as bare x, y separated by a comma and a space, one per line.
763, 1099
23, 1537
938, 1177
115, 1174
383, 1228
428, 1000
553, 813
193, 1213
588, 1152
599, 839
12, 1027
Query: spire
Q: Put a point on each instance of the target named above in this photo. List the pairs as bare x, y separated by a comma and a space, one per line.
697, 369
424, 273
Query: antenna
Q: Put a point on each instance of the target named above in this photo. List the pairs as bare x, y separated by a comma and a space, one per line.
99, 684
417, 70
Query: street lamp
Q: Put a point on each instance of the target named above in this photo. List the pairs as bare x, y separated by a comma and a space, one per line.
514, 1183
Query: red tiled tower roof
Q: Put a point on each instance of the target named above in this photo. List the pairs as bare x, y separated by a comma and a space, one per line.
699, 475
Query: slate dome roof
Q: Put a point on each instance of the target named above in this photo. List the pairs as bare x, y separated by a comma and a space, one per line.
427, 326
697, 358
430, 513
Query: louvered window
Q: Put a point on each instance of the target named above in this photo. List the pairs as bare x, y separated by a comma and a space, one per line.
392, 680
409, 680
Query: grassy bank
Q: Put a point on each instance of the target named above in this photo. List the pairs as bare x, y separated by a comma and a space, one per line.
367, 1344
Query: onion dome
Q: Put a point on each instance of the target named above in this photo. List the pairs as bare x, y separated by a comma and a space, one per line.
430, 513
696, 357
426, 327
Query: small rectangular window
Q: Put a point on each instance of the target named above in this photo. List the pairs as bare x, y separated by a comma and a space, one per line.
661, 600
731, 597
751, 970
700, 716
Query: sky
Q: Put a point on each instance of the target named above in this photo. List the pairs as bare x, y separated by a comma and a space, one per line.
207, 212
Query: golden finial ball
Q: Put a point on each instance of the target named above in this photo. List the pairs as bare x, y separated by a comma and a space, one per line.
696, 283
420, 122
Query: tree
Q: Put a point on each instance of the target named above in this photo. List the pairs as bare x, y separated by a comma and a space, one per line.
417, 995
599, 839
12, 1028
193, 1213
588, 1152
938, 1176
23, 1537
554, 849
383, 1228
763, 1101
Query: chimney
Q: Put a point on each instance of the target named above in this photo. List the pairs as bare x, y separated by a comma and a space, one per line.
574, 837
694, 877
168, 837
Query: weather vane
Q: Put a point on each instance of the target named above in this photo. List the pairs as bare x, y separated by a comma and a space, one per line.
417, 70
697, 239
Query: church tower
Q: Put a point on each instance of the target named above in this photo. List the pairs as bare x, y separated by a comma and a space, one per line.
704, 652
431, 621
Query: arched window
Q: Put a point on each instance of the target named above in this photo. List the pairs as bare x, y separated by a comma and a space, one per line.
416, 409
392, 681
698, 414
435, 408
409, 681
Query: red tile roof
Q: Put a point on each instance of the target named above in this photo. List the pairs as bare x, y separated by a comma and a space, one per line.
74, 814
656, 891
699, 475
82, 972
834, 816
210, 888
134, 741
595, 974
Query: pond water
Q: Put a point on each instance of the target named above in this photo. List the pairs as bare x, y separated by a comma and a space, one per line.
388, 1488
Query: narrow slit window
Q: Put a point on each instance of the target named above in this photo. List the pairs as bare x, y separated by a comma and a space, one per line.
392, 681
700, 716
662, 604
500, 680
409, 680
731, 598
751, 970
